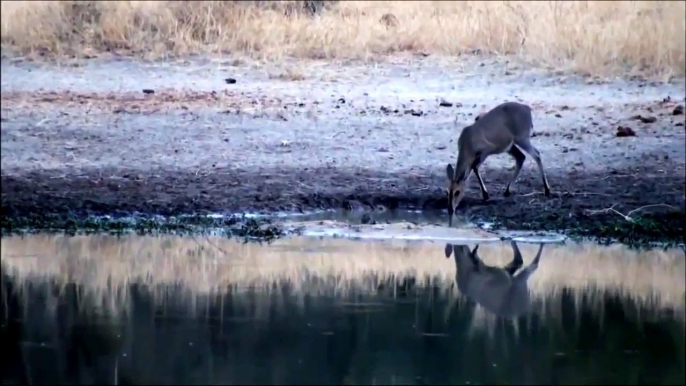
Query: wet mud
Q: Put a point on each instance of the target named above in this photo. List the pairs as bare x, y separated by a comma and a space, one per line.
578, 202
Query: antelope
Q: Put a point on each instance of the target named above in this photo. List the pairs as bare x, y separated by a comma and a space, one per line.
504, 129
498, 290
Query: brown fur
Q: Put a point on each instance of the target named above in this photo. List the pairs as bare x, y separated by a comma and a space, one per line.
504, 129
500, 290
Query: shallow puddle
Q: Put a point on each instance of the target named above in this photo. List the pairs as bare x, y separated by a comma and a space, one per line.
413, 231
354, 216
206, 310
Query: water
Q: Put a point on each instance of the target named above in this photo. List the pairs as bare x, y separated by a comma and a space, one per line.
196, 310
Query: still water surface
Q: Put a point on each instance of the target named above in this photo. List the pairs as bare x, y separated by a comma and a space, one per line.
176, 310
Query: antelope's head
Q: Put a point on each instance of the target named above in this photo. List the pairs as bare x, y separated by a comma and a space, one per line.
456, 189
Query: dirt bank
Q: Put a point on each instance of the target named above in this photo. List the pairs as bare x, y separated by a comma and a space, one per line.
88, 140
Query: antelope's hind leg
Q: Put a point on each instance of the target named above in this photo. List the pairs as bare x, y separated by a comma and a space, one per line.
529, 148
519, 158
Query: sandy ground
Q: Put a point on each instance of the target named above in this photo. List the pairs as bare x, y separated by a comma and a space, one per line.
85, 138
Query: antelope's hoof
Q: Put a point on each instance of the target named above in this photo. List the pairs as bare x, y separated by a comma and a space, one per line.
485, 197
547, 192
507, 193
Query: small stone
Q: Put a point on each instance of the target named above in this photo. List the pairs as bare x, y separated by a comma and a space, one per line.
230, 81
623, 131
644, 119
679, 110
414, 113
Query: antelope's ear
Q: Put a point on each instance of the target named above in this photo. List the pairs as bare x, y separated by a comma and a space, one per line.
450, 172
448, 250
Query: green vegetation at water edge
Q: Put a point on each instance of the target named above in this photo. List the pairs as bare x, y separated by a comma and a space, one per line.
230, 226
666, 229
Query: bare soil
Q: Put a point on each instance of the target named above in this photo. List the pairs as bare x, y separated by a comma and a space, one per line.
86, 139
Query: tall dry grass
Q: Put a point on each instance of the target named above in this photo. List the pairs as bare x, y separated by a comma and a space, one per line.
595, 37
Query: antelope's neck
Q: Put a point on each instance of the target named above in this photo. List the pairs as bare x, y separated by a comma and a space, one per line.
462, 165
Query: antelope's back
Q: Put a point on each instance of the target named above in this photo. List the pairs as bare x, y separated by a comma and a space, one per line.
513, 116
487, 286
491, 290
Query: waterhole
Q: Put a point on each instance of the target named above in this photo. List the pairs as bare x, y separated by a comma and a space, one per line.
209, 310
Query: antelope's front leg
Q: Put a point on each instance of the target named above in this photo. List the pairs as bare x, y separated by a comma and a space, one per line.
484, 192
478, 160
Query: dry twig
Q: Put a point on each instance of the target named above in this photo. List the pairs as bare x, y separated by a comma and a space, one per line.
627, 216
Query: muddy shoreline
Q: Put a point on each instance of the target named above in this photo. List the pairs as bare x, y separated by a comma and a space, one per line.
88, 140
577, 204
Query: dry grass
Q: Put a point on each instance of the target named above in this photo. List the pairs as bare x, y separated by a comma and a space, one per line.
594, 37
290, 73
334, 266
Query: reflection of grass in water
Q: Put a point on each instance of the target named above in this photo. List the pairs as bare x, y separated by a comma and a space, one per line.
159, 337
106, 264
186, 279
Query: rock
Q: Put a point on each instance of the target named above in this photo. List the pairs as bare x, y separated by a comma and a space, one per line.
644, 119
623, 131
148, 91
679, 110
230, 81
414, 113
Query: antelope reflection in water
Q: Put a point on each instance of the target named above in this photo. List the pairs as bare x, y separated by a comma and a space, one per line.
498, 290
